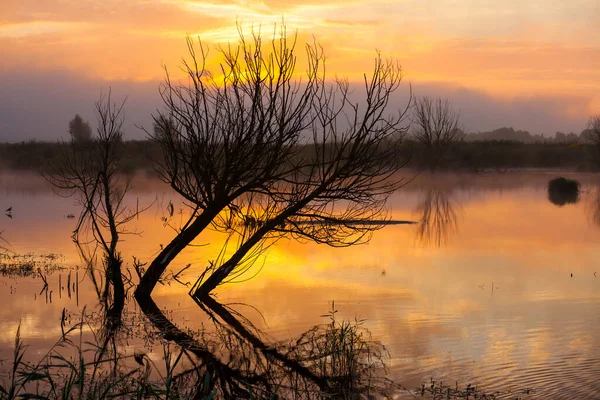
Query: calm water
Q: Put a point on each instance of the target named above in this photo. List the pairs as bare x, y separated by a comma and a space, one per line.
495, 286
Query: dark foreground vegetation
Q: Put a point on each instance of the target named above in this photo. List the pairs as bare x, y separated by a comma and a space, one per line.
139, 155
230, 359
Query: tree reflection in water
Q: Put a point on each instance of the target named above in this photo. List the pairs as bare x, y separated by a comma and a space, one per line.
228, 358
592, 205
334, 360
439, 218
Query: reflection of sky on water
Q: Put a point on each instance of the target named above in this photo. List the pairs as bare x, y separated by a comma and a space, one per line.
432, 306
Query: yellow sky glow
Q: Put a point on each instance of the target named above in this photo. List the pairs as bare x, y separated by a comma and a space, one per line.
504, 49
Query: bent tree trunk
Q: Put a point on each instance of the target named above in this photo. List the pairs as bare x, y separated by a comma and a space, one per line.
168, 254
219, 371
218, 276
114, 269
293, 365
238, 132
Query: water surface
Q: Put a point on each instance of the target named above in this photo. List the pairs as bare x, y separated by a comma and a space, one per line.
494, 285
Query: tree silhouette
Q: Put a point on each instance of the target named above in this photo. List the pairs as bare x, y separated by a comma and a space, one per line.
80, 130
90, 172
436, 127
259, 153
592, 136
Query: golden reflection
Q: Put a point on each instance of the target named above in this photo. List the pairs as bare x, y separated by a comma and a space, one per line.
502, 347
433, 308
582, 343
539, 344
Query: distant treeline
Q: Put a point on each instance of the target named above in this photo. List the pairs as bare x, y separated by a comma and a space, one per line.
510, 134
471, 155
505, 154
33, 155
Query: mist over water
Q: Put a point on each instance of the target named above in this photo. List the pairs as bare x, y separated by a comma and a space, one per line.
494, 285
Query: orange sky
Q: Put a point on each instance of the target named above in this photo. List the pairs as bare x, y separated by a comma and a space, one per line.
544, 50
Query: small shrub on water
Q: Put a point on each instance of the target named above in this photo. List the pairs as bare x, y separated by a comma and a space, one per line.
563, 191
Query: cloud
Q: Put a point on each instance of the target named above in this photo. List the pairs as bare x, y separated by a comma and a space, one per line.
517, 58
500, 47
107, 15
479, 111
40, 105
25, 29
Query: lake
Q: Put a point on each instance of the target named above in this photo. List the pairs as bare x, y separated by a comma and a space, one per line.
494, 286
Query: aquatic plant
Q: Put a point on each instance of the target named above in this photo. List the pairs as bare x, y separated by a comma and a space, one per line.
29, 264
75, 368
337, 359
437, 390
345, 354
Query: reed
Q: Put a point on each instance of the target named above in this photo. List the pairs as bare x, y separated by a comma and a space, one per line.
75, 368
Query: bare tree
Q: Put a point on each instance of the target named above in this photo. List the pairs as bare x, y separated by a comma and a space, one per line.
80, 130
591, 135
259, 153
90, 173
436, 127
593, 129
90, 170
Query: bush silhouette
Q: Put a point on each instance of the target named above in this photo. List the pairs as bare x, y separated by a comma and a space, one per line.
563, 191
